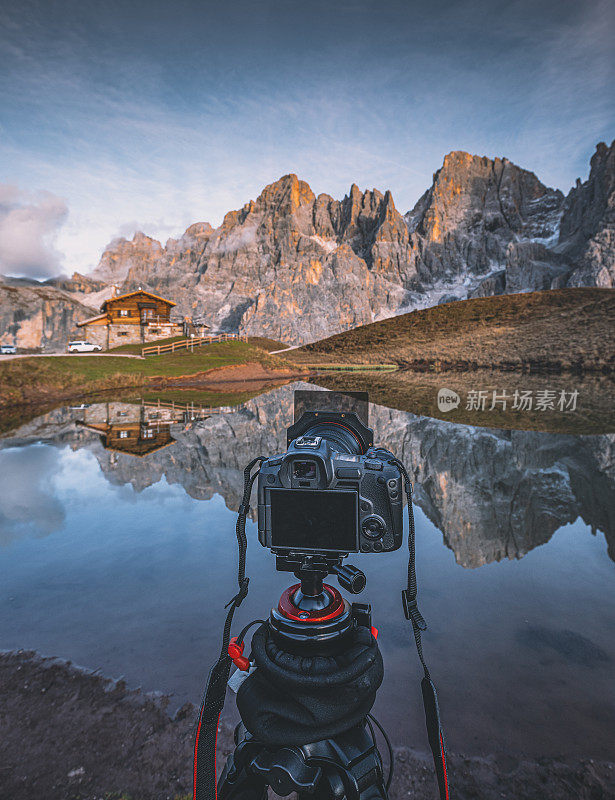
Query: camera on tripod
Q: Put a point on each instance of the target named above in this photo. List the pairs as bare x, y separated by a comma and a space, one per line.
332, 493
307, 684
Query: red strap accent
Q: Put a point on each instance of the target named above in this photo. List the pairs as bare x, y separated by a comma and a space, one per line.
444, 766
196, 747
374, 632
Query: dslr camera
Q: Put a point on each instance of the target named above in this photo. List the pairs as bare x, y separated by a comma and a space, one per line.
332, 492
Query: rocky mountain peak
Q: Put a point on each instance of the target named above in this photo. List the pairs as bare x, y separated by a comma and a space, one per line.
587, 204
587, 233
121, 254
198, 230
286, 195
298, 267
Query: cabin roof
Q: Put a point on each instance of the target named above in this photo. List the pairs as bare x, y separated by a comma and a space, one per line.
91, 319
137, 291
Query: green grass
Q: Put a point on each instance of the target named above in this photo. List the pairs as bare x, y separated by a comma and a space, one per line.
34, 379
135, 349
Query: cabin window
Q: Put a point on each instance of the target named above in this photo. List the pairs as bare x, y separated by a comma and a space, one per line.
147, 433
124, 312
123, 434
122, 333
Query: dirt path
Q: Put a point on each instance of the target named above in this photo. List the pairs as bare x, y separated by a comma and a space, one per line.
226, 378
66, 733
72, 355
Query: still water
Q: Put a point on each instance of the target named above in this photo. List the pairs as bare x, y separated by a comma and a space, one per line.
118, 552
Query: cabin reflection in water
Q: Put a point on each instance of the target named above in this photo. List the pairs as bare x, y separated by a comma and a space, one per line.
129, 428
140, 429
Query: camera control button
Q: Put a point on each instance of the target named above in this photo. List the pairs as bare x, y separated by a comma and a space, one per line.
270, 478
373, 527
364, 505
393, 483
378, 547
348, 472
373, 464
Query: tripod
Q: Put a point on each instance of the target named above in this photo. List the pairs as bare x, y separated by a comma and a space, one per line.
305, 708
305, 725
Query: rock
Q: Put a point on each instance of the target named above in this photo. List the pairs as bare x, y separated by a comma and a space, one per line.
77, 283
475, 207
296, 267
289, 265
587, 234
120, 255
38, 316
531, 266
492, 284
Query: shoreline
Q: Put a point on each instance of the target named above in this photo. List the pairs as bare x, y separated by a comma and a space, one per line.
70, 732
218, 378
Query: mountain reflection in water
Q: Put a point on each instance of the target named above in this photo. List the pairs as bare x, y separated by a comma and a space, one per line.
492, 493
133, 577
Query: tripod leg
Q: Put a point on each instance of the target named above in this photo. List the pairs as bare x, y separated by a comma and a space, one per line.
237, 784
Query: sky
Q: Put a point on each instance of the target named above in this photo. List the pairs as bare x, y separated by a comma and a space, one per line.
117, 117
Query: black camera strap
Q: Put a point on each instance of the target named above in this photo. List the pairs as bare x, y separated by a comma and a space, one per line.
204, 774
435, 732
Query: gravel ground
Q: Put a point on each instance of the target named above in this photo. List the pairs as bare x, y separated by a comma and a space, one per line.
69, 734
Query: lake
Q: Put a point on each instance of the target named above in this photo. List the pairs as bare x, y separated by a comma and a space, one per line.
118, 552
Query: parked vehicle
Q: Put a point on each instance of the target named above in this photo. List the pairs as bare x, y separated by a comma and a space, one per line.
83, 347
8, 349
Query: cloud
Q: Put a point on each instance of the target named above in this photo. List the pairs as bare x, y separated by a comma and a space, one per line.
29, 224
27, 503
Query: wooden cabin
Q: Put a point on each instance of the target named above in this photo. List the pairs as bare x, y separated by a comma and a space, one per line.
138, 308
135, 317
127, 428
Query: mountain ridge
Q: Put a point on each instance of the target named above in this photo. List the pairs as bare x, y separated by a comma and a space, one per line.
297, 267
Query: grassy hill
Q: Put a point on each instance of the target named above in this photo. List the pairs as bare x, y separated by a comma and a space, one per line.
36, 380
551, 331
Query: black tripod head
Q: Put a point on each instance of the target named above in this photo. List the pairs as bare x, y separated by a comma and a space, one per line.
312, 569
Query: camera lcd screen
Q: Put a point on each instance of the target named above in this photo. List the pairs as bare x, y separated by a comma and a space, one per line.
314, 520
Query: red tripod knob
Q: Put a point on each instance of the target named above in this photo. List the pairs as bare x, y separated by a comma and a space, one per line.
235, 651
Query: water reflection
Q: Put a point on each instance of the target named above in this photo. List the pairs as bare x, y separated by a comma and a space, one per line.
133, 570
493, 493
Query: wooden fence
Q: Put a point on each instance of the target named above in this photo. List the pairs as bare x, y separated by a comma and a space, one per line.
190, 344
186, 408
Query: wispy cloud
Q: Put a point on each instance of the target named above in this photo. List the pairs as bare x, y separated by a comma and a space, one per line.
133, 114
29, 225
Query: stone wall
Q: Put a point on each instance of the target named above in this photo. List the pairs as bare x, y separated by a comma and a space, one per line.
108, 336
113, 413
124, 333
96, 334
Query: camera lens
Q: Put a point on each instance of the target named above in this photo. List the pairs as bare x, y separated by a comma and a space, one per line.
304, 469
339, 436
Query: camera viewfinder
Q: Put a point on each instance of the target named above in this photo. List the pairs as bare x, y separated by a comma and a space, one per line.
304, 469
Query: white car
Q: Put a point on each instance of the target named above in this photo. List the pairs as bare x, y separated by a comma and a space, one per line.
83, 347
8, 349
